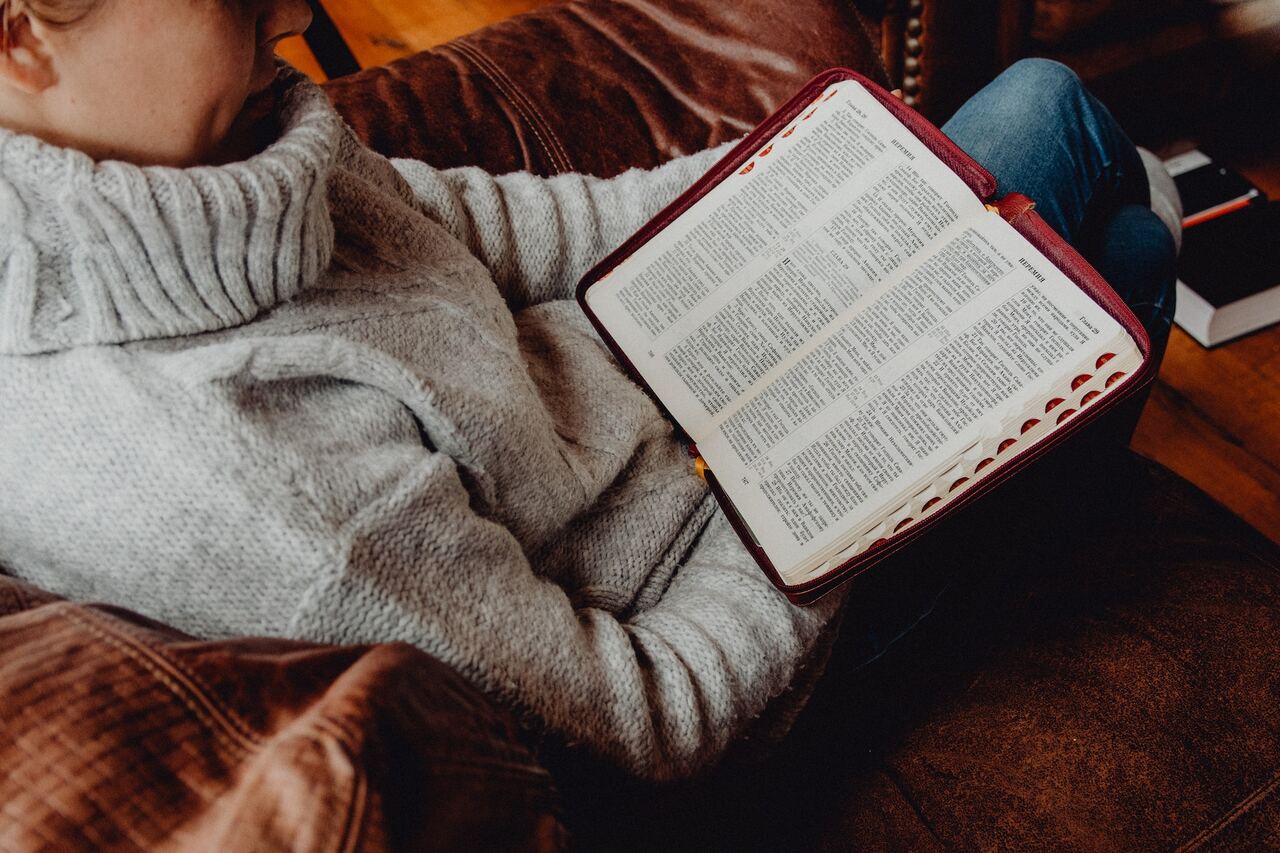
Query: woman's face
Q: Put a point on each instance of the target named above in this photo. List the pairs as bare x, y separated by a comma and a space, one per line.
164, 82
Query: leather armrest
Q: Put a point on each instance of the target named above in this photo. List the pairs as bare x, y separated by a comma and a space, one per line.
117, 732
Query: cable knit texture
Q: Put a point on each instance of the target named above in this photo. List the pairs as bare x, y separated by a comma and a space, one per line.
325, 395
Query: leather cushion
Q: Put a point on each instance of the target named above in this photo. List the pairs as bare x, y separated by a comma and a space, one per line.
1113, 685
598, 87
1101, 674
116, 732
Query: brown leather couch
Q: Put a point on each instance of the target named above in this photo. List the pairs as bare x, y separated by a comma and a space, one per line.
1102, 671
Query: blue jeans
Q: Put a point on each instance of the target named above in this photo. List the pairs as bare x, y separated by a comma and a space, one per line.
1041, 133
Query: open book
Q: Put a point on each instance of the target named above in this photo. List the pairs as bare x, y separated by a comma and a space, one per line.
853, 340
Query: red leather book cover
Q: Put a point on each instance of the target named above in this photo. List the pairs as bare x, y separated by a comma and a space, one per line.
1017, 210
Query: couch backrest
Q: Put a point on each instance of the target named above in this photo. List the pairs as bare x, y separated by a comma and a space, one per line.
599, 87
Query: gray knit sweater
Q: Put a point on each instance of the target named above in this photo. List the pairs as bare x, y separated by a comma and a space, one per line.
322, 395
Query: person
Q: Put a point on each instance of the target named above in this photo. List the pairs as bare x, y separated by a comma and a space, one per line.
260, 380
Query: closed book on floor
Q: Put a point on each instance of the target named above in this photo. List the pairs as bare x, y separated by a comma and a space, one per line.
1209, 189
1229, 275
854, 336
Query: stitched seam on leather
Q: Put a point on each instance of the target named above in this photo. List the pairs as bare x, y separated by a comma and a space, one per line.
21, 598
537, 121
1232, 816
486, 70
566, 162
180, 671
548, 141
355, 820
349, 840
220, 721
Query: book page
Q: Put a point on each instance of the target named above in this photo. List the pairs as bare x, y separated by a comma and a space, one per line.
1077, 388
869, 415
835, 206
841, 324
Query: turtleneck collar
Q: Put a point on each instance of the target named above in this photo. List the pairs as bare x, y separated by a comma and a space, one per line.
107, 252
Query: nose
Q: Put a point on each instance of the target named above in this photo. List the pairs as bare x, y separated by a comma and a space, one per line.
283, 18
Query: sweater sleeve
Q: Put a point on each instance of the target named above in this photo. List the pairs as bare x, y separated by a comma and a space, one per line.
539, 236
661, 693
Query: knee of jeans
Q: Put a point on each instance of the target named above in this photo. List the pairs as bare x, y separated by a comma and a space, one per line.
1152, 258
1037, 76
1051, 95
1163, 252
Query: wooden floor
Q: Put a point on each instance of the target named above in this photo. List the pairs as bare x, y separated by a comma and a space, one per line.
1214, 416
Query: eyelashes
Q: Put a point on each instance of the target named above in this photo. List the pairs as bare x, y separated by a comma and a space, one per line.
58, 13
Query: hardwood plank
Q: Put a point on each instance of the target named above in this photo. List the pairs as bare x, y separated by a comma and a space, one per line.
379, 31
1178, 435
1232, 385
1214, 417
1261, 350
296, 52
1263, 172
373, 39
328, 44
451, 18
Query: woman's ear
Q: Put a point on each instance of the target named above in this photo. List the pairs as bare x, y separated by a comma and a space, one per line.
26, 64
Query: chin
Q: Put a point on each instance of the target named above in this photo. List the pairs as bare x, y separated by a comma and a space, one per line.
254, 129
